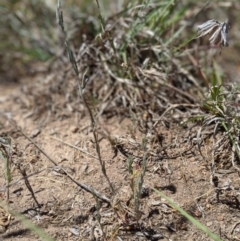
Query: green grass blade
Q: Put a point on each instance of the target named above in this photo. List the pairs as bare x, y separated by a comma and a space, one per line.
27, 223
189, 217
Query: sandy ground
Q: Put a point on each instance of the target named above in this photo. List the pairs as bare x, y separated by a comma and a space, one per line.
67, 212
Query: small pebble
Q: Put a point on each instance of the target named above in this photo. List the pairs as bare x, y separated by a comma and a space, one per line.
35, 133
74, 129
209, 224
74, 230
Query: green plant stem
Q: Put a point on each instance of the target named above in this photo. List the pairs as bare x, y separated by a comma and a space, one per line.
189, 217
27, 223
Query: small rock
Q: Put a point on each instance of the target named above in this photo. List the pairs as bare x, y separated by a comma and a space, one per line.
74, 230
35, 133
209, 224
220, 218
74, 129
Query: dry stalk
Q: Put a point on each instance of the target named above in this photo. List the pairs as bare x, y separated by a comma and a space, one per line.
81, 85
98, 215
104, 29
29, 187
137, 172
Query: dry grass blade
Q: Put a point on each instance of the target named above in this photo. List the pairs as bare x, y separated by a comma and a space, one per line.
73, 146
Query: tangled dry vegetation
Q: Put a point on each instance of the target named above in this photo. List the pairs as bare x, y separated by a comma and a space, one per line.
154, 112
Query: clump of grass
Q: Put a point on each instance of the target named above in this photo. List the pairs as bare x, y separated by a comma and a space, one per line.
28, 34
221, 101
24, 32
221, 108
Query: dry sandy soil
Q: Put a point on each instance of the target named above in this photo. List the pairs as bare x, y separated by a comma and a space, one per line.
65, 211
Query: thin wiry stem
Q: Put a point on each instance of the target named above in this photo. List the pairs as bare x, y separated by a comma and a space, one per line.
138, 180
81, 85
94, 129
104, 30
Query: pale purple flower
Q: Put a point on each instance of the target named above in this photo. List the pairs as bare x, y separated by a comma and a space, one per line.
217, 31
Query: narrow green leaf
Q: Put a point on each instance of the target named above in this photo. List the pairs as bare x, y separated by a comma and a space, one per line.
189, 217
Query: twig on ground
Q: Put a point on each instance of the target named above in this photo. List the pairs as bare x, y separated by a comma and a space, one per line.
24, 174
30, 175
73, 146
234, 226
83, 186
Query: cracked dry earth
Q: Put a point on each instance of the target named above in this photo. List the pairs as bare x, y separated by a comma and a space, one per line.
67, 212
